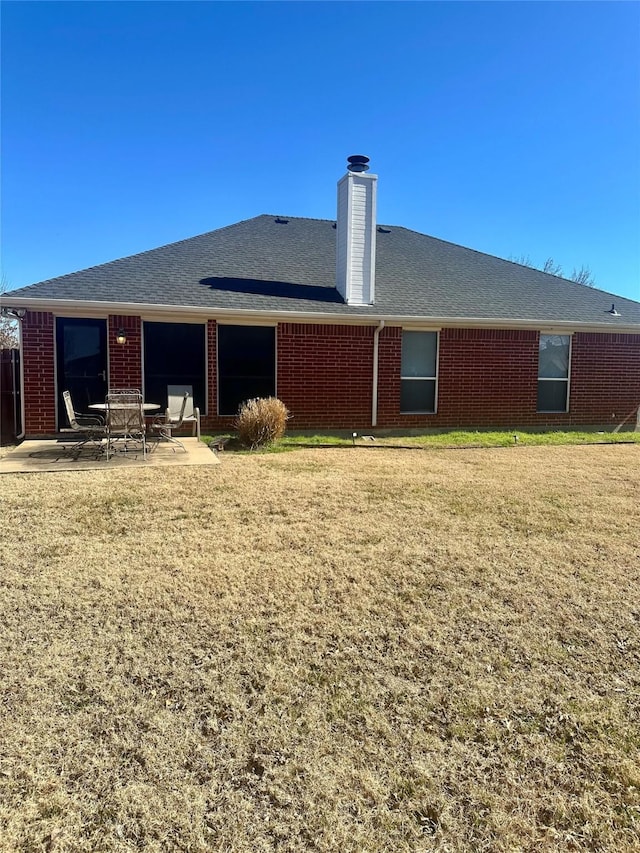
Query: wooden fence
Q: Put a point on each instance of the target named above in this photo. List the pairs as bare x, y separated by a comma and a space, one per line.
10, 403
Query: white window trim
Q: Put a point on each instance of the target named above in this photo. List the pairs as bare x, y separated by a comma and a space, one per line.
425, 378
558, 378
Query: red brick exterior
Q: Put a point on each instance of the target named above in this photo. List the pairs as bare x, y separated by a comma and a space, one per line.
125, 360
605, 378
212, 378
38, 345
486, 377
325, 374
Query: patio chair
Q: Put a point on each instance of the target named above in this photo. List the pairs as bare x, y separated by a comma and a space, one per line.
119, 393
125, 420
175, 393
165, 427
91, 427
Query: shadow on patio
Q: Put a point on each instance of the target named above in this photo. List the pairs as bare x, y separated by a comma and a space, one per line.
58, 455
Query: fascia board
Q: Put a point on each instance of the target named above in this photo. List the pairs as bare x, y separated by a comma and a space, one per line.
358, 317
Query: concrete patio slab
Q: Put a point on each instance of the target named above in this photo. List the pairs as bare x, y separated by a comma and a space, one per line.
57, 455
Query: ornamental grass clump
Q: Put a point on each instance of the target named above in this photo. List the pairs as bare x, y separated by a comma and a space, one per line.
261, 421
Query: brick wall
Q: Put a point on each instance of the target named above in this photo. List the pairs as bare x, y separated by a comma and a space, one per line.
125, 360
605, 378
487, 377
38, 342
325, 374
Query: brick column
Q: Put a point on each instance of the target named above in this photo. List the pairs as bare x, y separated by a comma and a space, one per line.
212, 374
389, 361
125, 360
38, 345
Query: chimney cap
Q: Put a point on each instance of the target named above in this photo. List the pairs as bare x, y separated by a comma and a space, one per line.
357, 163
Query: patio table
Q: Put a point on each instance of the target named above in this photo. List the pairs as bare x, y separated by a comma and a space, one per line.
147, 407
121, 435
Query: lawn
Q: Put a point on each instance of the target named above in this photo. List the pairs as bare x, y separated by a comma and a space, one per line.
450, 438
324, 650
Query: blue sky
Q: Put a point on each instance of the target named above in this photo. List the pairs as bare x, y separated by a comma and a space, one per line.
509, 127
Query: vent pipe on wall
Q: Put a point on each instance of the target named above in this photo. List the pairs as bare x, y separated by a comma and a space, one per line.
356, 233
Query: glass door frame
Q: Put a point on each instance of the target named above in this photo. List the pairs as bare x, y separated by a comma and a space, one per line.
89, 384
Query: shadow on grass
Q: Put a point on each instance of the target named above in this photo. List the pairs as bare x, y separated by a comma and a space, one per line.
233, 445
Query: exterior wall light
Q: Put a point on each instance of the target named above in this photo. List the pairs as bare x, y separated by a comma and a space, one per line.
15, 313
121, 337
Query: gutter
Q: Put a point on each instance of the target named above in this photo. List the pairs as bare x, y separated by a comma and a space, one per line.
374, 393
66, 307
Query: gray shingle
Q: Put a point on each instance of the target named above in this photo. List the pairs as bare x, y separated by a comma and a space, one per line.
261, 265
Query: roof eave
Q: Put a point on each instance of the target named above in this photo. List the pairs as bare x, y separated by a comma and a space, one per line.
359, 316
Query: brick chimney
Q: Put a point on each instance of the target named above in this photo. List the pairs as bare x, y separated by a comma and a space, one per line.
356, 233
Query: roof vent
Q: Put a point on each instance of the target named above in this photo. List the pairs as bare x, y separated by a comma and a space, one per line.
613, 311
383, 230
280, 221
357, 163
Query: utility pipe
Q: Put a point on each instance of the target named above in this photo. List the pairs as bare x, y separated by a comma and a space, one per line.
374, 395
23, 425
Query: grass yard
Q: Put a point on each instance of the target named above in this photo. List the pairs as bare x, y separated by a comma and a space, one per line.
325, 650
450, 438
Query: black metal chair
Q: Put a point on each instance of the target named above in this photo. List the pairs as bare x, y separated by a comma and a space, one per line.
125, 420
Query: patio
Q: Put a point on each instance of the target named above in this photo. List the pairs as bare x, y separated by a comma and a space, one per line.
59, 455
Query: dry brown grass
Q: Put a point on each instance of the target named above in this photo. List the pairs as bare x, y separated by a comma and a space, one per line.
327, 650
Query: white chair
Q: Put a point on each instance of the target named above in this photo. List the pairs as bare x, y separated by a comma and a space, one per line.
175, 396
165, 427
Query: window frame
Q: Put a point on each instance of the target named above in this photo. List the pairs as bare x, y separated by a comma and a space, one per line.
566, 379
425, 378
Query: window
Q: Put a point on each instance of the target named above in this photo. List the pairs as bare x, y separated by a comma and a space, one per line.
418, 372
246, 365
553, 373
174, 354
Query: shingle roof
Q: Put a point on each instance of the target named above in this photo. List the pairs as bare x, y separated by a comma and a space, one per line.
272, 265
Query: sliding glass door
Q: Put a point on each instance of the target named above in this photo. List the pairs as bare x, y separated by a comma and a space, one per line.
81, 358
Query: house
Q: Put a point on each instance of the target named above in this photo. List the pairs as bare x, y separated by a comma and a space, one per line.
351, 323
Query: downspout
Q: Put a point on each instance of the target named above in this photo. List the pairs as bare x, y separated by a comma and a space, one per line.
23, 429
374, 395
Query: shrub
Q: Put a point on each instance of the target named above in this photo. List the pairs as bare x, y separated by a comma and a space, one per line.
261, 421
